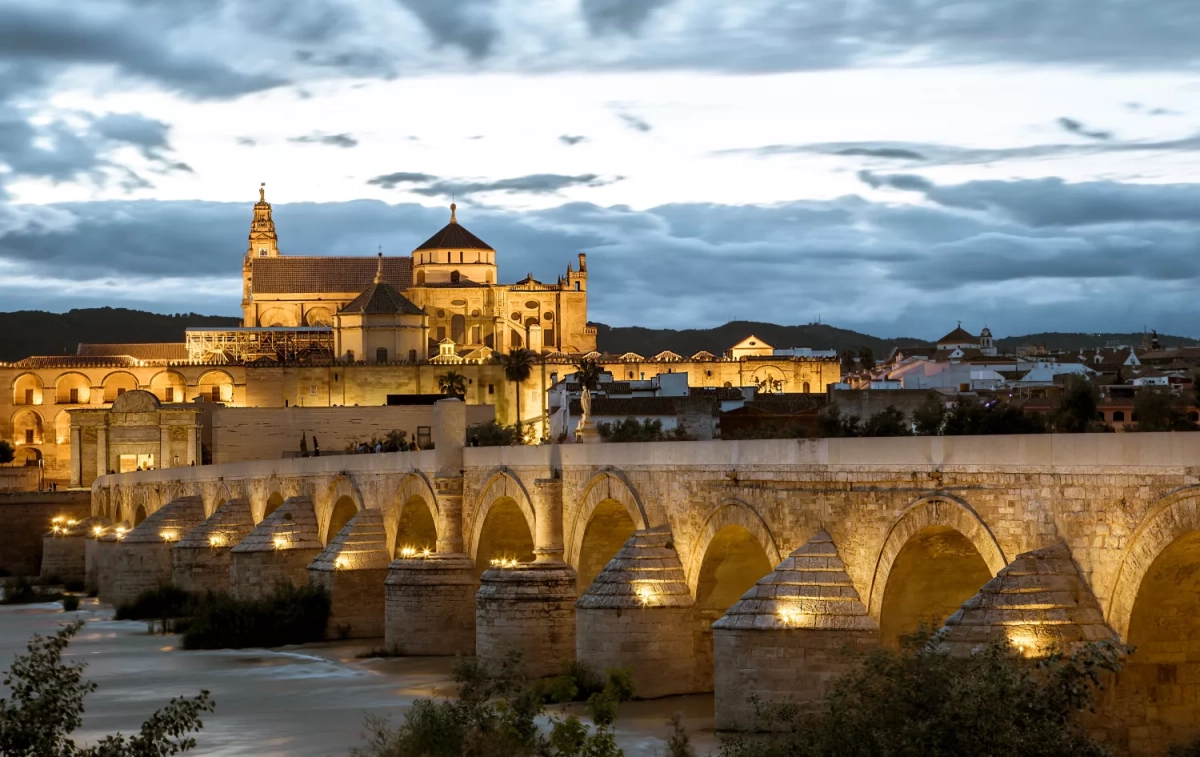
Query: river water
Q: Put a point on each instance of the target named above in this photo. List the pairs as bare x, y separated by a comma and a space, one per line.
305, 701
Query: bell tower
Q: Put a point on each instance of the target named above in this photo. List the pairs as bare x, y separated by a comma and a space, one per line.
263, 242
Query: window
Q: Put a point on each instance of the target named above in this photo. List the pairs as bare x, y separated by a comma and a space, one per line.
216, 394
806, 389
476, 335
28, 396
424, 438
548, 337
120, 390
576, 286
170, 394
491, 388
412, 356
381, 355
29, 436
74, 396
262, 253
1119, 415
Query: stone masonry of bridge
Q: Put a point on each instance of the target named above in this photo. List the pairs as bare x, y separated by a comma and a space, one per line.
880, 536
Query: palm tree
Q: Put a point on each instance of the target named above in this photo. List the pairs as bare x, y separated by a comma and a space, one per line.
587, 373
518, 365
453, 384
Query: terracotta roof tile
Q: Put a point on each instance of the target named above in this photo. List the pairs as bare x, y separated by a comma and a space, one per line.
285, 275
147, 351
454, 236
382, 299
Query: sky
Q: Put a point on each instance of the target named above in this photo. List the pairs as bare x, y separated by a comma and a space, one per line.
890, 166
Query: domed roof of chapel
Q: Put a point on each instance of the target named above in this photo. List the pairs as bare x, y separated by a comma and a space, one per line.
454, 236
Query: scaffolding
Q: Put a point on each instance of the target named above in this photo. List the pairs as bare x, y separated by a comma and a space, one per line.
246, 345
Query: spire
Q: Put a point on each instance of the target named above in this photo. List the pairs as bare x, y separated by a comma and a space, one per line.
263, 241
379, 269
453, 208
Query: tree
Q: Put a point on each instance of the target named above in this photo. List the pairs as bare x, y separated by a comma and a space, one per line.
518, 366
866, 357
930, 414
453, 384
588, 372
1079, 407
1159, 409
647, 430
47, 707
7, 452
921, 702
968, 416
887, 422
849, 362
831, 423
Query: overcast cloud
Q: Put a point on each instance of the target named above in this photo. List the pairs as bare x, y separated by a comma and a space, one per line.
775, 160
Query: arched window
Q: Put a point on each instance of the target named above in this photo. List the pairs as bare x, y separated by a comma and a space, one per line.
420, 277
1119, 415
458, 329
806, 388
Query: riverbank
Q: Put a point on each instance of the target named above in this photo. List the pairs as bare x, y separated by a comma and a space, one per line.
304, 701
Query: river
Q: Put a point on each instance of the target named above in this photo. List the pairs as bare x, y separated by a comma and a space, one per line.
304, 701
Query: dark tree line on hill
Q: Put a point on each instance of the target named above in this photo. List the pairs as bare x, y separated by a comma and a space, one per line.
36, 332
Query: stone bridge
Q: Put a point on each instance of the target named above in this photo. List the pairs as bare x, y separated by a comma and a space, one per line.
627, 554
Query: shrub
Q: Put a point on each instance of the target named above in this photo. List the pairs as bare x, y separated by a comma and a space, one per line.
162, 603
70, 603
47, 706
921, 701
492, 434
495, 715
22, 591
646, 430
291, 615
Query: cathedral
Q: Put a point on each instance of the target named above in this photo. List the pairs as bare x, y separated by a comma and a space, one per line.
404, 309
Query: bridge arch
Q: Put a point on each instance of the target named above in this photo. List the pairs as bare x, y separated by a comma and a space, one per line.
1155, 607
342, 501
728, 514
412, 520
504, 521
608, 513
219, 496
936, 538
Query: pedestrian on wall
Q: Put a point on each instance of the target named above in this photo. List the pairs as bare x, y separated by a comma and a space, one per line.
475, 440
378, 447
316, 447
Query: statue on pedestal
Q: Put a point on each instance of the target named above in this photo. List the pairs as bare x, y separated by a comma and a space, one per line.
586, 432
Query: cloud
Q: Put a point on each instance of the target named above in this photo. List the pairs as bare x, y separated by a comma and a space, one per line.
333, 140
1076, 127
466, 24
542, 183
570, 140
392, 180
635, 123
247, 141
932, 154
625, 16
1023, 256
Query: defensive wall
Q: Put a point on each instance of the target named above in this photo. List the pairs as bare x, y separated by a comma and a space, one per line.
794, 548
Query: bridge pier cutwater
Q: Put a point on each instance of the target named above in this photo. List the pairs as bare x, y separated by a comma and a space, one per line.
743, 567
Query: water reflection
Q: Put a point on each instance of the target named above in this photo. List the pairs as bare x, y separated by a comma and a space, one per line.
295, 702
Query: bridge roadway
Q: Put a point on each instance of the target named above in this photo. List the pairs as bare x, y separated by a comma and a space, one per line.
627, 553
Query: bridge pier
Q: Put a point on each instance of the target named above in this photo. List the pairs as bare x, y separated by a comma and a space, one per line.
529, 608
278, 550
200, 561
638, 614
430, 605
64, 552
353, 568
142, 559
790, 636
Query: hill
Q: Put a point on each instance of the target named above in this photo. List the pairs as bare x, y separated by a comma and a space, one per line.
36, 332
1068, 341
819, 336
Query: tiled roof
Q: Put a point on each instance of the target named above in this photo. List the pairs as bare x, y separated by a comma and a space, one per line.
147, 351
454, 236
74, 361
382, 299
959, 336
286, 275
